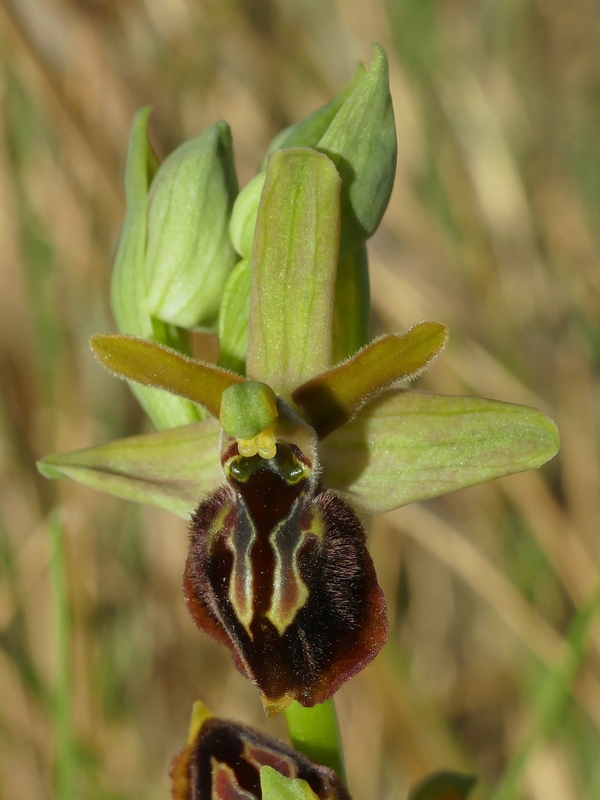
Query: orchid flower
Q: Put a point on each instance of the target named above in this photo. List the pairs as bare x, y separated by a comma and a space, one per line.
274, 479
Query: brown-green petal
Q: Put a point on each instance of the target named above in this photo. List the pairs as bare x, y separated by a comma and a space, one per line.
294, 263
173, 469
408, 445
331, 399
152, 364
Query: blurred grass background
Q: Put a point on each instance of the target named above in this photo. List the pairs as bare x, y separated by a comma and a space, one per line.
492, 228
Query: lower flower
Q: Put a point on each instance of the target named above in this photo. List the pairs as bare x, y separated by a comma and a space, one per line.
222, 760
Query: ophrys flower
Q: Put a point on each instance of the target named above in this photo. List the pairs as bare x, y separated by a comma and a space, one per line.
278, 569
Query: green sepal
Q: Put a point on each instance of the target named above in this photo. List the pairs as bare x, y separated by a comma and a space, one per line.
243, 216
152, 364
333, 398
247, 408
275, 786
172, 469
129, 297
310, 130
352, 305
407, 445
189, 254
361, 142
294, 262
444, 785
233, 318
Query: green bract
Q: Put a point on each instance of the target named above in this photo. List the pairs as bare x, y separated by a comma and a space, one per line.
352, 305
243, 217
309, 131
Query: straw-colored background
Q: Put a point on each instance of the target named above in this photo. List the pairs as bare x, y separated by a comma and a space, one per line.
491, 228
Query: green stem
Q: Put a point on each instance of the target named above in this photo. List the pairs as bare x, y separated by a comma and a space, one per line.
65, 753
552, 698
315, 732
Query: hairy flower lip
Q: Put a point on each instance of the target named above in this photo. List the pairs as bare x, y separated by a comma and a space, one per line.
287, 585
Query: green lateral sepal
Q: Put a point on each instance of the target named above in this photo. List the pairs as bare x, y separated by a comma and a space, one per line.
407, 445
172, 469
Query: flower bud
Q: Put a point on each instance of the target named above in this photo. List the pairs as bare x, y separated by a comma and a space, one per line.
128, 284
189, 253
305, 133
361, 142
310, 130
129, 295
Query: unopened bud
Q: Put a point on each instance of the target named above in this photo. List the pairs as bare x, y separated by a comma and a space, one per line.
189, 254
361, 142
129, 294
305, 133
